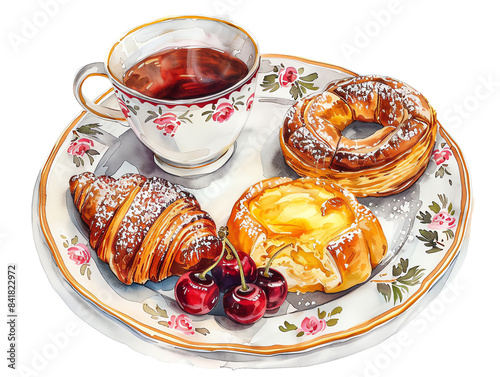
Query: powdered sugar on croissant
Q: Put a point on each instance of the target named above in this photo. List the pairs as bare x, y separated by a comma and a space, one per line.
145, 228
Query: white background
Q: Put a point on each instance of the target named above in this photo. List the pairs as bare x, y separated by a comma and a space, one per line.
448, 50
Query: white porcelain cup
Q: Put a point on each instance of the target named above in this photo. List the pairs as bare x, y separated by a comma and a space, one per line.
187, 136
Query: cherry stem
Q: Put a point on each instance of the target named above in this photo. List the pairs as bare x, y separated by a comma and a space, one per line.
266, 270
244, 286
204, 273
230, 252
223, 233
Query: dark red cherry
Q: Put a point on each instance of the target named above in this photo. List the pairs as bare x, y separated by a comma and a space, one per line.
274, 285
195, 293
245, 304
227, 272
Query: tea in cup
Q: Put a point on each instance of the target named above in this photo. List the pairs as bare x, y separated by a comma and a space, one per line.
185, 85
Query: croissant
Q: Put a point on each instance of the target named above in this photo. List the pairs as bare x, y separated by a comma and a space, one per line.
337, 241
144, 228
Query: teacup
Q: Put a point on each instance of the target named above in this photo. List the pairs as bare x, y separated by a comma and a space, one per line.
188, 136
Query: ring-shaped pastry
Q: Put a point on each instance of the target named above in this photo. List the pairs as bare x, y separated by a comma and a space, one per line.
388, 161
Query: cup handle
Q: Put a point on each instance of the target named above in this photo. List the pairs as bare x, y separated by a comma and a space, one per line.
89, 70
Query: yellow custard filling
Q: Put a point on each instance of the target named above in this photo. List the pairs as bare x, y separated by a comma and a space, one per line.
309, 217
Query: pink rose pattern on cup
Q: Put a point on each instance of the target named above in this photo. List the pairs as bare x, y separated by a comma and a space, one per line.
124, 108
223, 112
167, 123
250, 102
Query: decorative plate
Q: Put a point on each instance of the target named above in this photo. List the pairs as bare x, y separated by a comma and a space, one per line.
426, 227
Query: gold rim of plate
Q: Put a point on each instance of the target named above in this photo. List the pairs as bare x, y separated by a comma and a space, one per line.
363, 328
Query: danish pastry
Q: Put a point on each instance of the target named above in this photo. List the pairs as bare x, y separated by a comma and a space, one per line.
388, 161
337, 241
144, 228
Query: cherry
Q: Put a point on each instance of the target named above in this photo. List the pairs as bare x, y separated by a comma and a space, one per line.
273, 283
197, 292
274, 286
227, 272
245, 305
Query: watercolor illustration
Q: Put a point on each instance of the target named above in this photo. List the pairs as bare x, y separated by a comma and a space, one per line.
293, 207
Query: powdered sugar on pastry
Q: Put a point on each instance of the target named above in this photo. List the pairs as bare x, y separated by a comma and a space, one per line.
336, 240
384, 163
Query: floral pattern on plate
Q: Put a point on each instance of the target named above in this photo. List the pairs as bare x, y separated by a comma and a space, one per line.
433, 239
292, 78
